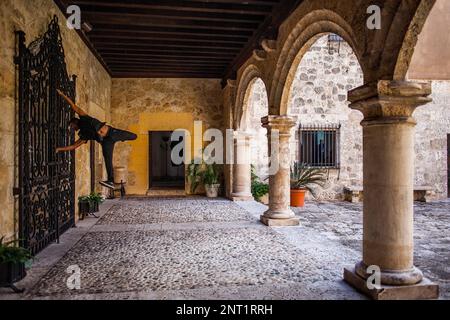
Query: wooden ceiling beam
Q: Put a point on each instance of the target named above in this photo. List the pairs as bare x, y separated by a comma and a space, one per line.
165, 75
102, 28
145, 21
97, 36
211, 54
132, 42
191, 6
170, 14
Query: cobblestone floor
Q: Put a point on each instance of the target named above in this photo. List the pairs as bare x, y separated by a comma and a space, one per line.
342, 222
193, 248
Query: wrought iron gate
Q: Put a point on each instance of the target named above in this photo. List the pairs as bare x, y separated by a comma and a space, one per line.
46, 179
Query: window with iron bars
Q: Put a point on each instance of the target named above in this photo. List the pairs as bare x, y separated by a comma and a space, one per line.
319, 146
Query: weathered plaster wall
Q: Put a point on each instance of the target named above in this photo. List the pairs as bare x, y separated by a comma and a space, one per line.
143, 105
93, 90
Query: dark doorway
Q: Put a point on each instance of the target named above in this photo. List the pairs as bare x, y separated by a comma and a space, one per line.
163, 172
448, 165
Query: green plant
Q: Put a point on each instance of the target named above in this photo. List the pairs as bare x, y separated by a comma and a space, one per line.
211, 174
259, 188
11, 253
304, 177
194, 175
93, 198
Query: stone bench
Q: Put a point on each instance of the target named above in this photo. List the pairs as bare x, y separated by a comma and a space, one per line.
354, 194
423, 193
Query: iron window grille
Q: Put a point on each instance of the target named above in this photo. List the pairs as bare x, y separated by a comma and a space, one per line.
319, 146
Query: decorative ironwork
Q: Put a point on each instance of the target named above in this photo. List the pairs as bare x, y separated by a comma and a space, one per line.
319, 145
46, 179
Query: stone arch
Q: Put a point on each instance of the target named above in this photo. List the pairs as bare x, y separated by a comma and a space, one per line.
409, 41
318, 98
247, 79
303, 35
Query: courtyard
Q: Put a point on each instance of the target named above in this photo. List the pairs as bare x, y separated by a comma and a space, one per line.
192, 110
196, 248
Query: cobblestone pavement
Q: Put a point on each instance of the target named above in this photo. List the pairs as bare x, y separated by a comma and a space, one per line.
194, 248
342, 222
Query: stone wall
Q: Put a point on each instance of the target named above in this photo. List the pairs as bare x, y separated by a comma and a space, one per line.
319, 96
433, 127
143, 105
93, 91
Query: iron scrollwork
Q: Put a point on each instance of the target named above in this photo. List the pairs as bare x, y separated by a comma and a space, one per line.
46, 179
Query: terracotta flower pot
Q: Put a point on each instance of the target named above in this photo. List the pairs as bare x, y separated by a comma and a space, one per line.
298, 198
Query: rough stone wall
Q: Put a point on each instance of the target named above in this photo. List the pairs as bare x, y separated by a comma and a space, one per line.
433, 126
134, 98
319, 96
93, 87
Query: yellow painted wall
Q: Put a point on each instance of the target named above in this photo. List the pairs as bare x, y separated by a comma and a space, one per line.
143, 105
139, 155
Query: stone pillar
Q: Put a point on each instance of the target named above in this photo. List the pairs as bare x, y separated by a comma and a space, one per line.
388, 140
279, 128
242, 183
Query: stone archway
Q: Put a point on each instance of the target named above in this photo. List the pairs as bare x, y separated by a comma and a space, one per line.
318, 103
250, 145
305, 33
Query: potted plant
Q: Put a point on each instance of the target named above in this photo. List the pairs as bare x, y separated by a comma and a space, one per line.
303, 178
260, 190
211, 180
89, 204
12, 264
194, 176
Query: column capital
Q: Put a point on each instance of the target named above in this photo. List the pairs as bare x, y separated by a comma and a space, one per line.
390, 100
283, 124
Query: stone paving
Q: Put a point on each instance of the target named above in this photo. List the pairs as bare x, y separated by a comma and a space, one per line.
194, 248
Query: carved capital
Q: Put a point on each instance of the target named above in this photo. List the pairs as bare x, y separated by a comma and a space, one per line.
390, 100
283, 124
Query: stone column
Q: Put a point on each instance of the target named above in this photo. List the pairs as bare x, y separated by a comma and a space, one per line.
242, 168
388, 140
279, 130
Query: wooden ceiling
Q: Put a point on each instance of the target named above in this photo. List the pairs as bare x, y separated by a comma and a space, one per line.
178, 39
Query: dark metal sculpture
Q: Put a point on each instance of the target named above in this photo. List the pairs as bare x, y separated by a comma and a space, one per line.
46, 179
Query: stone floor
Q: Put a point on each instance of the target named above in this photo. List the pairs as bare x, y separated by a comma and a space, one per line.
194, 248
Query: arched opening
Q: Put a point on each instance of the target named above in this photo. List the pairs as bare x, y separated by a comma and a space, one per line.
327, 134
255, 107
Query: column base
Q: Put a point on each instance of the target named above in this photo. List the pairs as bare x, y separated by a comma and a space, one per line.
424, 290
290, 222
241, 197
393, 278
